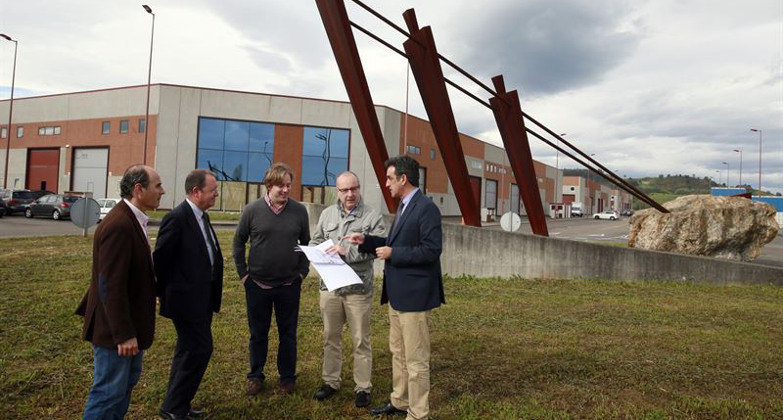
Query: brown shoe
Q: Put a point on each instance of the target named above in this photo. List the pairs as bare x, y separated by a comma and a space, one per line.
254, 386
287, 388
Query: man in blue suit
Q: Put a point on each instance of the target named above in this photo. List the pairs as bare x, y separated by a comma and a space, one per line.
412, 284
189, 267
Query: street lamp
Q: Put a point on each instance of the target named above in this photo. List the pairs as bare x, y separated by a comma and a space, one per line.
589, 175
758, 130
727, 173
740, 170
149, 77
557, 165
720, 177
10, 112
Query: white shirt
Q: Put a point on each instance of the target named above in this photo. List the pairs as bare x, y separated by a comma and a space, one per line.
142, 218
204, 231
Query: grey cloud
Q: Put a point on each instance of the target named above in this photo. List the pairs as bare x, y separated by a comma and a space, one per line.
547, 47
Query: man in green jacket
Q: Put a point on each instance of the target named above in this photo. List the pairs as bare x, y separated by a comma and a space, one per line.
351, 303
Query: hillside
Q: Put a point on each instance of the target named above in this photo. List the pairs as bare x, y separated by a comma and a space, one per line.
664, 188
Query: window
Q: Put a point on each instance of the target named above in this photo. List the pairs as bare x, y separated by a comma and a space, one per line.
106, 127
56, 130
48, 131
142, 125
235, 150
414, 150
423, 179
41, 131
19, 132
124, 127
324, 155
491, 194
3, 133
432, 154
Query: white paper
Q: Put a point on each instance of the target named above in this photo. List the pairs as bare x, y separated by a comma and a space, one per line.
333, 270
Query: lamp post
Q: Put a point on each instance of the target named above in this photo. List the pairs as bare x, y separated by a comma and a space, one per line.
740, 170
149, 78
589, 176
758, 130
720, 177
727, 173
10, 112
557, 166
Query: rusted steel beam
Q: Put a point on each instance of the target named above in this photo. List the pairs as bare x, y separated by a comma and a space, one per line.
423, 58
508, 115
338, 30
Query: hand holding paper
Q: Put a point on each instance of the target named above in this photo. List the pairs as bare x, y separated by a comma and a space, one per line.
333, 270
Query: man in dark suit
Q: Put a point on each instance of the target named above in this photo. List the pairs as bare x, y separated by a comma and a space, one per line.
412, 284
119, 307
189, 266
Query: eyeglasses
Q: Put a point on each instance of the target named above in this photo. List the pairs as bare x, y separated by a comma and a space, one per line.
345, 190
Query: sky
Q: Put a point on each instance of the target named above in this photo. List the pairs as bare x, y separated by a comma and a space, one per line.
648, 87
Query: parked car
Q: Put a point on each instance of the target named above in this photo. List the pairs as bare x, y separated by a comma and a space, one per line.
576, 212
18, 200
607, 215
626, 213
55, 206
106, 205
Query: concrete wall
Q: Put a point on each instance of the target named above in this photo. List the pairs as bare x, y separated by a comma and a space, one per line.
489, 253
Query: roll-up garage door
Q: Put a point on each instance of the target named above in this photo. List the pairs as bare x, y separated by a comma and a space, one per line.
90, 169
43, 169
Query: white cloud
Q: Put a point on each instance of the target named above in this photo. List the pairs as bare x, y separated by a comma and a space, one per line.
671, 87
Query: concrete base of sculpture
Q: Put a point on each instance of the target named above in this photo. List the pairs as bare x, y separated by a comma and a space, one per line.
734, 228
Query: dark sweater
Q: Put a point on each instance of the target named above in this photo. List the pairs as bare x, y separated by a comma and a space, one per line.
273, 238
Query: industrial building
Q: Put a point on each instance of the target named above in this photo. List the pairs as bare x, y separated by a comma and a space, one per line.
84, 141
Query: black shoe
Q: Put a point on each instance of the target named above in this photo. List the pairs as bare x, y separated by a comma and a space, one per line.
387, 409
171, 416
324, 392
197, 414
362, 399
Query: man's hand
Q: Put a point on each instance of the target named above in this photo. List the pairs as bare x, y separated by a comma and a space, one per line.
335, 249
355, 238
128, 348
245, 278
383, 252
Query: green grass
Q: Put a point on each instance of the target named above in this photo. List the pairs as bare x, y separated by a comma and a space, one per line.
513, 348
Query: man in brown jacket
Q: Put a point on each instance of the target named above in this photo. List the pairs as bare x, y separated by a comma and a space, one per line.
119, 307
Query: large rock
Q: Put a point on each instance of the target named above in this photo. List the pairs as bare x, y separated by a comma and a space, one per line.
725, 227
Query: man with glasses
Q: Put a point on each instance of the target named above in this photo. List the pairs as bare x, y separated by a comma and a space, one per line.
351, 303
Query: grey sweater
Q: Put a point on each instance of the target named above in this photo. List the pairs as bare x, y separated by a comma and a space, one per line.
273, 238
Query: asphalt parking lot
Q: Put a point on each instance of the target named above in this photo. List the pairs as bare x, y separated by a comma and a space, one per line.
578, 229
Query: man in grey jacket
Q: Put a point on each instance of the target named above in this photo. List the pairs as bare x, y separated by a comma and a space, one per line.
351, 303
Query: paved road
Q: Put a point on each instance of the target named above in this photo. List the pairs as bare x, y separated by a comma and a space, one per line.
19, 226
579, 229
591, 230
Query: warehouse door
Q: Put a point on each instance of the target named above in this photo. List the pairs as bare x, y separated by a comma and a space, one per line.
43, 169
90, 169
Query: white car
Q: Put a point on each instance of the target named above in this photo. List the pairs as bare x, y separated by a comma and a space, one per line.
607, 215
106, 205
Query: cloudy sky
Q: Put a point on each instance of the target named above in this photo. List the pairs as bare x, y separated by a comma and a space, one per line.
649, 87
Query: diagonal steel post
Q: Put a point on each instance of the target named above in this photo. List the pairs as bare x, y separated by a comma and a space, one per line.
508, 115
338, 30
425, 66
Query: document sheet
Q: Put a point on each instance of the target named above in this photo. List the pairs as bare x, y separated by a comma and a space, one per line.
333, 270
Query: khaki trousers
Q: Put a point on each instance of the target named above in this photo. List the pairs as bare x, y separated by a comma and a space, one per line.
335, 311
409, 342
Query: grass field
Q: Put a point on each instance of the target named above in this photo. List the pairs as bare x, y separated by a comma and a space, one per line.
500, 348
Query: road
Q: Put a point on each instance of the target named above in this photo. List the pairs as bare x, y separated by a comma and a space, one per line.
579, 229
